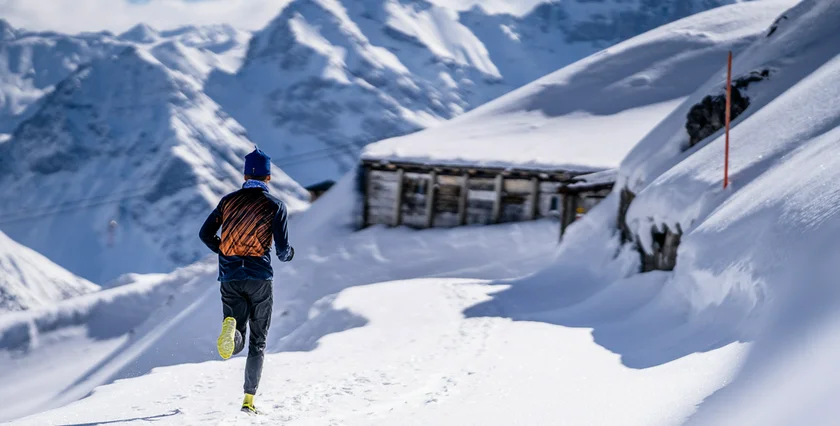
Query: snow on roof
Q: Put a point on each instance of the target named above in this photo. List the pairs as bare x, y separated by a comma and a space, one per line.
526, 140
587, 116
605, 177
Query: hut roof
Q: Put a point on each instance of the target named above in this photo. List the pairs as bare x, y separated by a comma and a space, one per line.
577, 142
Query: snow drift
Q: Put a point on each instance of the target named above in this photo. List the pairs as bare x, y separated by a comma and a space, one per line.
755, 262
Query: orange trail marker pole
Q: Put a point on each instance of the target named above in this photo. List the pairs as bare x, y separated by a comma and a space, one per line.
728, 120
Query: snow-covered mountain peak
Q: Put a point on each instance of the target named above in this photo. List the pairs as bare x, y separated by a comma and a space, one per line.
140, 33
29, 280
186, 60
31, 63
217, 38
92, 112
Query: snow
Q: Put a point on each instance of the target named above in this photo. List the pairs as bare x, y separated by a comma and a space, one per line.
172, 318
29, 280
756, 261
498, 325
32, 63
325, 78
593, 179
447, 370
445, 335
124, 139
623, 91
542, 143
428, 347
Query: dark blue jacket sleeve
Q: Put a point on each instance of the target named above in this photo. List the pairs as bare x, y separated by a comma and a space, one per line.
280, 228
208, 231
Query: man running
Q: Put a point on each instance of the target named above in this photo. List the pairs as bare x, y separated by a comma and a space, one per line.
248, 218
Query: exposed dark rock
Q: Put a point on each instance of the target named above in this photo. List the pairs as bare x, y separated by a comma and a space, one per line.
627, 197
709, 116
664, 250
753, 77
663, 255
775, 26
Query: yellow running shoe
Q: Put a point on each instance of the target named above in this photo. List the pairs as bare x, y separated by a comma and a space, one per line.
248, 404
227, 339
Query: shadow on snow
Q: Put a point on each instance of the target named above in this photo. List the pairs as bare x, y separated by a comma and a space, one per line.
641, 317
136, 419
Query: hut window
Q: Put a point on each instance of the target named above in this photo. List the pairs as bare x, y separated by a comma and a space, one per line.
555, 204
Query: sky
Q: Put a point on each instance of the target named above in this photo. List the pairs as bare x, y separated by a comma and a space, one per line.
73, 16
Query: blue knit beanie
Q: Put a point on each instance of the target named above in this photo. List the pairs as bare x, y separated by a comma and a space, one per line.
257, 164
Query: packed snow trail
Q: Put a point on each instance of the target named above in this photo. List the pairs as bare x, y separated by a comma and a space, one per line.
183, 308
417, 361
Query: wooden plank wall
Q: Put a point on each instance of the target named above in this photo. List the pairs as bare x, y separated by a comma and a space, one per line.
415, 191
516, 200
448, 201
450, 198
381, 197
481, 197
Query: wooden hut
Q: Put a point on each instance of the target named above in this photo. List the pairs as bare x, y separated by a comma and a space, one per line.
440, 195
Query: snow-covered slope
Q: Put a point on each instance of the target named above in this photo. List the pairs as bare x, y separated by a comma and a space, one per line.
756, 261
193, 50
29, 280
117, 168
623, 92
327, 77
761, 253
130, 329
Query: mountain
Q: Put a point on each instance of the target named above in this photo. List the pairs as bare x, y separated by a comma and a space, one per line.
193, 50
327, 77
29, 280
32, 63
140, 33
117, 168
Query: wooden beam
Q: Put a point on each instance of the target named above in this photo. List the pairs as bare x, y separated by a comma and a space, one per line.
399, 201
570, 204
497, 204
430, 200
534, 198
462, 201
